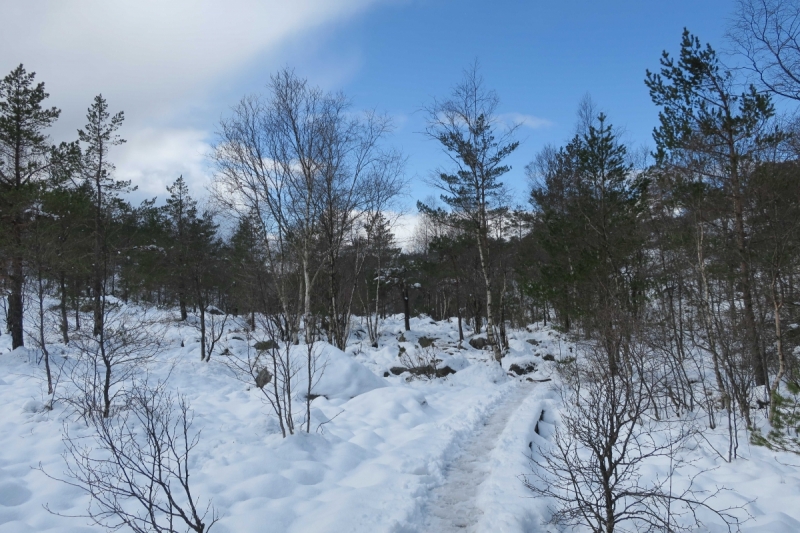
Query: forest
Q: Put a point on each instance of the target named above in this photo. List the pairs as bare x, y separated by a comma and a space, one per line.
672, 272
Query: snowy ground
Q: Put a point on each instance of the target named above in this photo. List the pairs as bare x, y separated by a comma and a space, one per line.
384, 454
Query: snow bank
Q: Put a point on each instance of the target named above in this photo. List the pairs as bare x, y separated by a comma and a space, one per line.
376, 450
342, 377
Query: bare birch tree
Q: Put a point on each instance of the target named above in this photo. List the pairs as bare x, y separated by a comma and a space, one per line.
305, 168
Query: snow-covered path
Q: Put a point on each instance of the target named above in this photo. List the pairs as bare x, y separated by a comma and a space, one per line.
453, 505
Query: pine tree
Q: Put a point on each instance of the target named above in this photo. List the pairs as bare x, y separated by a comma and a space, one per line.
204, 268
714, 134
466, 127
24, 159
381, 248
588, 203
98, 137
180, 211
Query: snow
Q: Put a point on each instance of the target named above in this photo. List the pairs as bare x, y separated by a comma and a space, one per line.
389, 454
342, 377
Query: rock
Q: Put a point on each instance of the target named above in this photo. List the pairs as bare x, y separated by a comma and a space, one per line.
426, 370
479, 343
429, 371
444, 371
522, 370
425, 342
211, 310
533, 341
264, 376
549, 357
263, 346
386, 374
421, 370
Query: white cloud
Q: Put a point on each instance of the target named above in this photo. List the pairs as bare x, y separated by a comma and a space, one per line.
529, 121
403, 227
148, 52
154, 158
159, 61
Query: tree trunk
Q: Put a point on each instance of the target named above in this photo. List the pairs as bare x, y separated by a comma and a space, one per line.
756, 358
406, 307
458, 311
483, 250
42, 343
777, 304
182, 304
374, 327
307, 300
202, 331
77, 300
98, 270
15, 302
63, 306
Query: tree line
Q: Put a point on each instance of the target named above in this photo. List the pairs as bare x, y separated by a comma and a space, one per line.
692, 249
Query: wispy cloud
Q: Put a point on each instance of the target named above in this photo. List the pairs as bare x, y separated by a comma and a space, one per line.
529, 121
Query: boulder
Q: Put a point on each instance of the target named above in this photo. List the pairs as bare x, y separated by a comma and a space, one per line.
521, 370
533, 341
549, 357
425, 342
444, 371
264, 376
479, 343
263, 346
426, 370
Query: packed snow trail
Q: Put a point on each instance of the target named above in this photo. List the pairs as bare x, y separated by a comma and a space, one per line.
453, 506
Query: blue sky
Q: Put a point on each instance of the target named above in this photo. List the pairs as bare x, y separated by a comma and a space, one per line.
176, 67
541, 58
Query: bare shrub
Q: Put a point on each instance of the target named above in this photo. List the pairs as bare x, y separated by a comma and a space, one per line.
280, 371
422, 362
135, 466
106, 362
593, 467
211, 327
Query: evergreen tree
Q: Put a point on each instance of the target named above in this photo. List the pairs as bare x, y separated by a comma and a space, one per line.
99, 136
588, 204
180, 211
204, 268
715, 135
24, 159
381, 249
466, 127
70, 205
